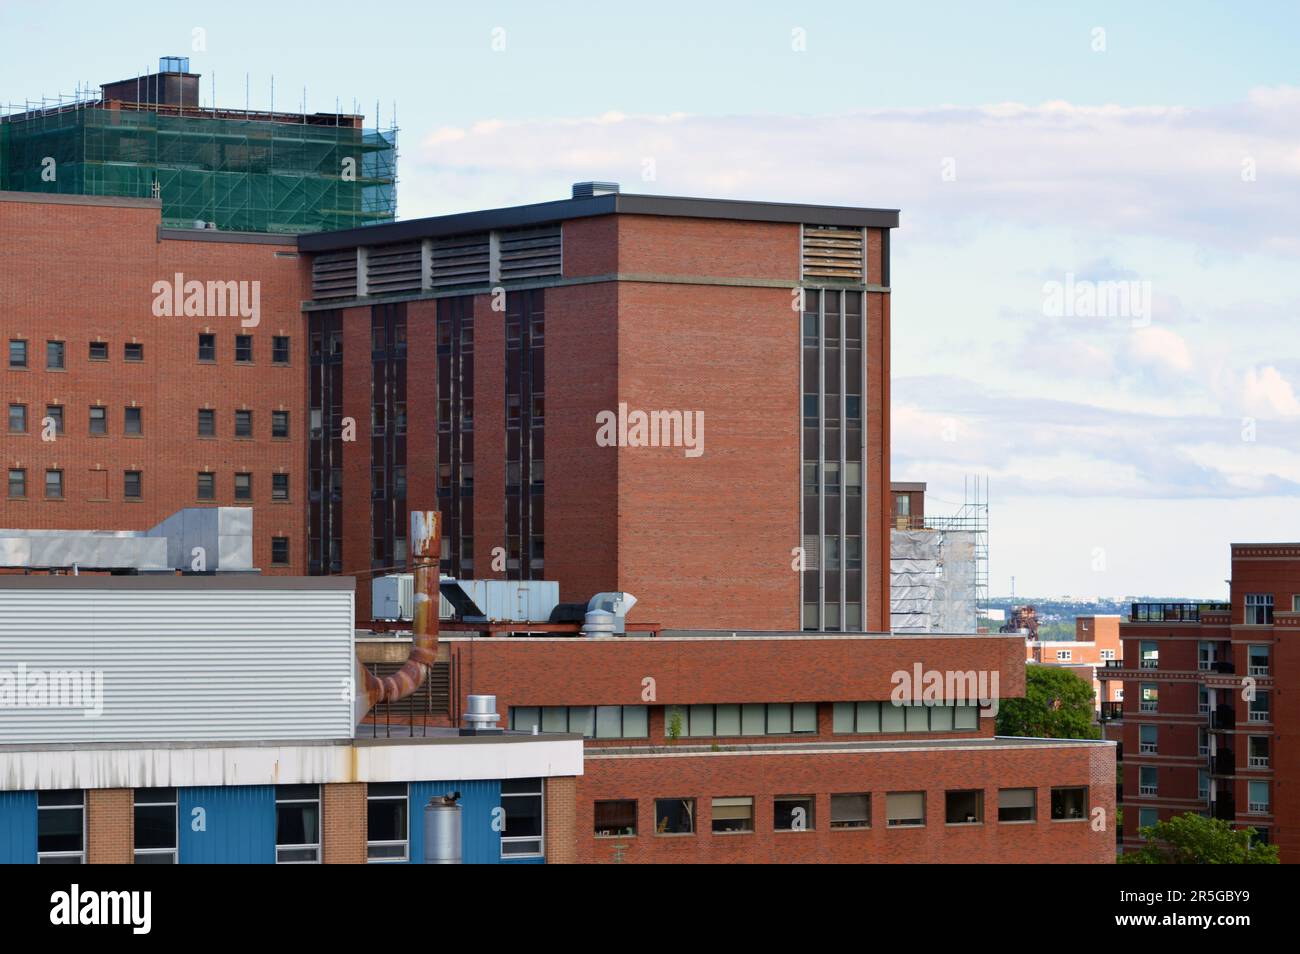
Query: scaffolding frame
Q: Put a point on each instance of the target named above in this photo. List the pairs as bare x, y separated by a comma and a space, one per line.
972, 517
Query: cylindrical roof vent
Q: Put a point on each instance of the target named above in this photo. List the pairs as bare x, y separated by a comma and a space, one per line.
442, 830
482, 712
598, 623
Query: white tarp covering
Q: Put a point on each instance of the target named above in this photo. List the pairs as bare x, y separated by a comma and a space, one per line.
932, 581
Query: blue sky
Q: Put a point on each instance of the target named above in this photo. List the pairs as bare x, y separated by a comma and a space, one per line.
1022, 144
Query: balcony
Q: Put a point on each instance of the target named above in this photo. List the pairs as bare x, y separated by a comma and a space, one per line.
1258, 761
1223, 763
1223, 807
1223, 666
1114, 664
1223, 719
1172, 612
1259, 715
1112, 711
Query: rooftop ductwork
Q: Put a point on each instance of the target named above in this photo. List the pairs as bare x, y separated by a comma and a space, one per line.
607, 614
586, 190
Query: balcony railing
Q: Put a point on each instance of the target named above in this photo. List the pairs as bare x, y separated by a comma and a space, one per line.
1146, 789
1223, 665
1172, 612
1223, 719
1258, 761
1259, 670
1257, 715
1112, 711
1259, 808
1147, 748
1147, 706
1114, 664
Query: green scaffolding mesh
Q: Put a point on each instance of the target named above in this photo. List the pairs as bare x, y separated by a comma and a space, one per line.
245, 175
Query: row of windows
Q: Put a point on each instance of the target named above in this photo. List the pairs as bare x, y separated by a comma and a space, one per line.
869, 717
1258, 797
133, 421
133, 485
388, 834
56, 351
620, 818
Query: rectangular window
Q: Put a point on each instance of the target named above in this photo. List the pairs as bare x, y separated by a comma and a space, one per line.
207, 422
156, 837
733, 814
674, 816
1258, 798
279, 486
1257, 660
55, 353
132, 422
207, 489
1069, 804
207, 347
17, 418
54, 484
61, 827
1150, 653
904, 809
1148, 780
793, 812
523, 835
616, 819
1150, 698
1017, 804
1148, 817
279, 424
17, 353
1258, 709
132, 484
133, 351
55, 413
98, 420
1063, 655
1259, 609
387, 828
99, 351
280, 349
1202, 784
1148, 737
243, 349
243, 423
243, 486
964, 807
17, 482
851, 810
279, 551
297, 824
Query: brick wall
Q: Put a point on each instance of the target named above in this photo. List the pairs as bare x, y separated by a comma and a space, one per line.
110, 826
343, 823
561, 808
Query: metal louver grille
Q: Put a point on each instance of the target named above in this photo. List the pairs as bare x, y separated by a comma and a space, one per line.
833, 253
530, 253
334, 275
393, 268
462, 260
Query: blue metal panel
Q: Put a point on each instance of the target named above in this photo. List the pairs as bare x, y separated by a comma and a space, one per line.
238, 821
18, 828
479, 843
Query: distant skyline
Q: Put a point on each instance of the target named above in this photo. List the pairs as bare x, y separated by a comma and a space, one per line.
1026, 144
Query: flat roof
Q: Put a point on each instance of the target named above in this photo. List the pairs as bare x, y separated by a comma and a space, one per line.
816, 747
167, 581
616, 203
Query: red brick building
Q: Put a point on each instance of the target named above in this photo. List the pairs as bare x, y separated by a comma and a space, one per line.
1210, 707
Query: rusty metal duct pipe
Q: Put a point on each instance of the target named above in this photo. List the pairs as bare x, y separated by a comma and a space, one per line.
426, 547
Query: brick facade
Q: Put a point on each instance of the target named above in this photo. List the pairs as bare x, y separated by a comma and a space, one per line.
343, 823
110, 826
561, 820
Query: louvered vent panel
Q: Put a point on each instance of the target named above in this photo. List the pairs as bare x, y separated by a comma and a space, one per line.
334, 275
462, 260
833, 253
530, 253
393, 268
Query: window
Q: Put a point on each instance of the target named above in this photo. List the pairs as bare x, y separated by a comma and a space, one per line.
1150, 698
1202, 740
1148, 780
605, 722
207, 486
964, 807
1258, 757
17, 418
279, 551
616, 819
1257, 798
674, 816
1017, 804
1063, 654
1259, 711
522, 801
297, 824
280, 349
54, 484
851, 810
132, 484
852, 407
243, 423
243, 486
17, 482
1259, 609
98, 420
1202, 784
132, 423
279, 424
207, 422
793, 812
387, 828
904, 809
132, 351
733, 814
279, 486
243, 349
1204, 656
207, 347
17, 353
1148, 737
1257, 660
1108, 654
99, 351
61, 827
55, 353
1148, 817
156, 836
1069, 804
55, 413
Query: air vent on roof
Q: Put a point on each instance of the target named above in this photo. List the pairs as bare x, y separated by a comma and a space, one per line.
833, 253
583, 190
462, 260
334, 275
393, 268
530, 253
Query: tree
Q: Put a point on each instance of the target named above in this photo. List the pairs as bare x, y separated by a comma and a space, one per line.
1057, 705
1190, 839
